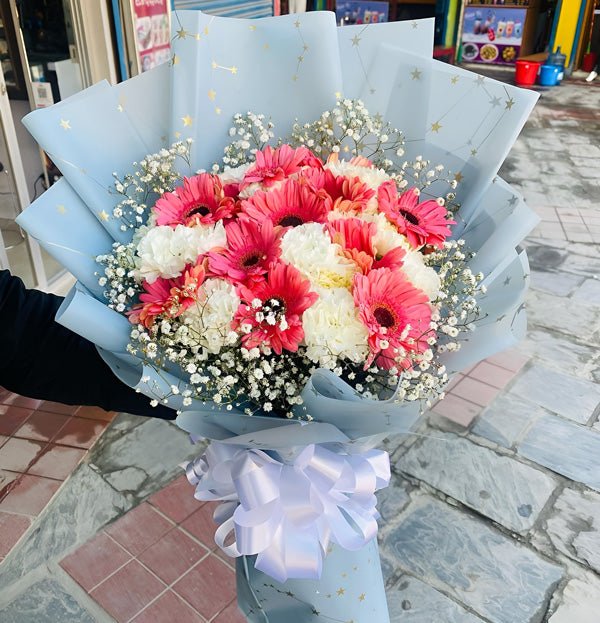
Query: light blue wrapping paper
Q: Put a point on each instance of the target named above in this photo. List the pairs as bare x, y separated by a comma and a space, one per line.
286, 68
352, 589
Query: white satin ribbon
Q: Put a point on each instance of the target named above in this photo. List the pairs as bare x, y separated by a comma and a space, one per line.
288, 513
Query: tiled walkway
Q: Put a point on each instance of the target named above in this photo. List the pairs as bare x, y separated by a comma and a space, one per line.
41, 443
158, 563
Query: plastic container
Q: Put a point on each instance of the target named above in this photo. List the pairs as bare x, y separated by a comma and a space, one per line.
558, 59
526, 73
549, 75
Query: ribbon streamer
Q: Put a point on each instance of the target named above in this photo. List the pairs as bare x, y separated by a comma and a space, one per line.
288, 513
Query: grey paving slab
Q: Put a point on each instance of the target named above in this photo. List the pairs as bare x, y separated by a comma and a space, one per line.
413, 601
155, 449
557, 283
499, 487
584, 151
473, 563
571, 397
544, 257
589, 292
562, 354
391, 500
45, 602
564, 447
506, 419
580, 604
582, 265
574, 526
546, 310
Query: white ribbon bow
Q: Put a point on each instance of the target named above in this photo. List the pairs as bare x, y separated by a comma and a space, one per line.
287, 514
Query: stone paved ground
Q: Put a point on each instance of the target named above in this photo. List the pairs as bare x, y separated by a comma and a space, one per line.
493, 517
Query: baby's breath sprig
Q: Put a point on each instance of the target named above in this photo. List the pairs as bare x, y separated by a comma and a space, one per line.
152, 176
252, 133
349, 128
457, 300
121, 289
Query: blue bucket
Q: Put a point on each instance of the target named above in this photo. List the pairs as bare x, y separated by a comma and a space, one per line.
549, 75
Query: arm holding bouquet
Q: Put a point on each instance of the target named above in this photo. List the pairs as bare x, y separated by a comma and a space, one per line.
42, 359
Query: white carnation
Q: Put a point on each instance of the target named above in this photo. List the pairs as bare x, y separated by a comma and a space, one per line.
209, 320
309, 248
234, 175
372, 177
332, 329
420, 275
163, 251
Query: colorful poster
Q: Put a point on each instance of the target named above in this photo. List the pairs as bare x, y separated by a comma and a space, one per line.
492, 34
152, 32
353, 12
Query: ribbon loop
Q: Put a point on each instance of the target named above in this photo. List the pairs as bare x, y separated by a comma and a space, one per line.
288, 513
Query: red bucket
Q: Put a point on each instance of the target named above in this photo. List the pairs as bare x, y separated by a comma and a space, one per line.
526, 72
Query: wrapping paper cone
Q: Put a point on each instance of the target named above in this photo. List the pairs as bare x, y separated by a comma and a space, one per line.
288, 68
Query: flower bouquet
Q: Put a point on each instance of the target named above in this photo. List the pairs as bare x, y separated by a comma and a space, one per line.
292, 234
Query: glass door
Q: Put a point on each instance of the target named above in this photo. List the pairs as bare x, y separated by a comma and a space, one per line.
18, 253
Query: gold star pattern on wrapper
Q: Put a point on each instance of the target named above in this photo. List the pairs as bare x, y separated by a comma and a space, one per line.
187, 121
301, 55
65, 124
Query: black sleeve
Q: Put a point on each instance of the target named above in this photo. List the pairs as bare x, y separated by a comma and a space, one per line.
41, 359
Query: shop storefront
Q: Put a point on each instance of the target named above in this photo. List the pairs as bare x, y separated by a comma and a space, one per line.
497, 33
50, 49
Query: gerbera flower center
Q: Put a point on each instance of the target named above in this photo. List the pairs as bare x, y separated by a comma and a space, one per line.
384, 317
250, 260
274, 306
411, 218
291, 220
201, 209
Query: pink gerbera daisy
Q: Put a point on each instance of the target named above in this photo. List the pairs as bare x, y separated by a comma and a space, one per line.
290, 205
201, 199
396, 314
345, 194
277, 321
251, 248
168, 297
355, 236
424, 223
275, 165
